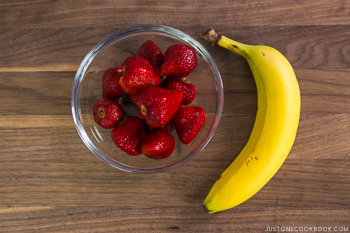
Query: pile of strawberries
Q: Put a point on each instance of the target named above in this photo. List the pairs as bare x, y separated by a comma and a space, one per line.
157, 84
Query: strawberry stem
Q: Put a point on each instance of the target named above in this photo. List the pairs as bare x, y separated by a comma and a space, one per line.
185, 80
123, 120
143, 109
120, 71
101, 113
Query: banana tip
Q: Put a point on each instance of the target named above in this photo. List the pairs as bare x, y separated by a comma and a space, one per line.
205, 209
211, 36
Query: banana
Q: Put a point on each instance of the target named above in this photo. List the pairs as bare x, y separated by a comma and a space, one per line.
274, 130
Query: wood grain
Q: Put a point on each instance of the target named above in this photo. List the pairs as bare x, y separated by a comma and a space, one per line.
49, 14
49, 180
62, 49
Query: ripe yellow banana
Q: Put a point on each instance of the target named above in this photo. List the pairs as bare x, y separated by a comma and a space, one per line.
274, 130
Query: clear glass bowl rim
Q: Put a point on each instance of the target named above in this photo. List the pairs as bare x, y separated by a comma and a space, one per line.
79, 76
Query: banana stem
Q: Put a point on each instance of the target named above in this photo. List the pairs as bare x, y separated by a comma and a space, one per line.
215, 38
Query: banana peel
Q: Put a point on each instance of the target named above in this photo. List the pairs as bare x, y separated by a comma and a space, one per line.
274, 130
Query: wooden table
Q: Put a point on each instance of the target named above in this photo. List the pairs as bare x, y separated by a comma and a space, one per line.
49, 180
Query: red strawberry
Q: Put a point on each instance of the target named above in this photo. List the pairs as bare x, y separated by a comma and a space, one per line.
129, 134
179, 60
188, 120
138, 74
107, 113
158, 145
110, 83
168, 127
152, 53
182, 84
157, 105
133, 98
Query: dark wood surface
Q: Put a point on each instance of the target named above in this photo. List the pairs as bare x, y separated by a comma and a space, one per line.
50, 182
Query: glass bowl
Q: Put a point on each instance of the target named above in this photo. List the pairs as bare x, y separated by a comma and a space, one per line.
111, 52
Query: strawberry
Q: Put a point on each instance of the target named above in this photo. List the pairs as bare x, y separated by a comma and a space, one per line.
158, 145
168, 127
107, 113
157, 105
152, 53
179, 60
182, 84
129, 134
110, 83
188, 120
133, 98
138, 74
